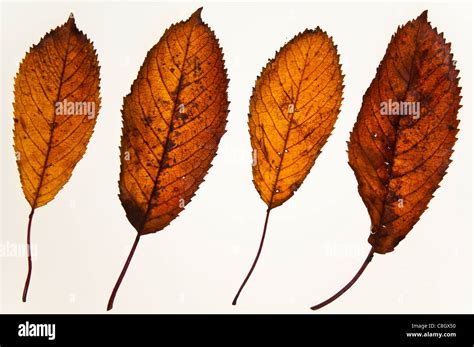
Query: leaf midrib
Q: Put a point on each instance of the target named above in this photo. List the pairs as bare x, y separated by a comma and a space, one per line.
282, 156
52, 125
397, 130
164, 157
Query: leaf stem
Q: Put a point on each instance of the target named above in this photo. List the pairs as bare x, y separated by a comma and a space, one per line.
234, 302
110, 305
348, 285
30, 262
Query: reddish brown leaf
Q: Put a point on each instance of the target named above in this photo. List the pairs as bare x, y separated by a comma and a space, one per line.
399, 158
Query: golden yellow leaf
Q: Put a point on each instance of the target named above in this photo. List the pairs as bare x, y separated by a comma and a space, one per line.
293, 109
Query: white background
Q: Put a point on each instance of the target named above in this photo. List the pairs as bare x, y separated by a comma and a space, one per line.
316, 241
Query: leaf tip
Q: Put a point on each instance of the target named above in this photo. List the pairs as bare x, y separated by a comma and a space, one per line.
424, 16
197, 14
71, 21
71, 18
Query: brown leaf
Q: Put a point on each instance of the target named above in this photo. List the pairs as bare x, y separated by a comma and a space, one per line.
56, 104
293, 109
401, 144
173, 120
399, 160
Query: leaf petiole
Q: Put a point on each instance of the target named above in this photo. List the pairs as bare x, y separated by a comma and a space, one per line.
348, 285
110, 305
234, 302
30, 262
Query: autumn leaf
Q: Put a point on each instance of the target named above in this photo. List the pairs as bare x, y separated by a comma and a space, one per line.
401, 144
56, 104
293, 109
173, 120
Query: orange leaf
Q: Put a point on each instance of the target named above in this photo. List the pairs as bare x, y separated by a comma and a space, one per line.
293, 109
403, 139
56, 104
173, 120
